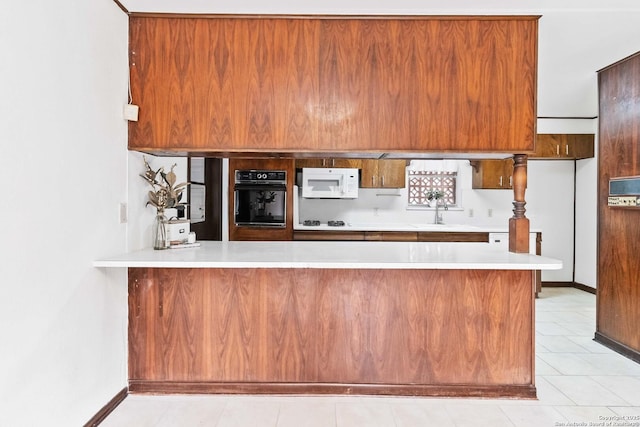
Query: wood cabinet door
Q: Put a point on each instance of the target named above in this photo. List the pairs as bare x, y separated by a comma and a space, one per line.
392, 173
549, 146
214, 84
369, 174
310, 163
564, 146
383, 173
492, 174
329, 162
580, 146
346, 163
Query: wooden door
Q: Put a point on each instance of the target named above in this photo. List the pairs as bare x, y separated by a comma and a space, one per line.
618, 302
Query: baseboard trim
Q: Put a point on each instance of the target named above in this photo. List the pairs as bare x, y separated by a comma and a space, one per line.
618, 347
557, 284
525, 391
108, 408
585, 288
575, 285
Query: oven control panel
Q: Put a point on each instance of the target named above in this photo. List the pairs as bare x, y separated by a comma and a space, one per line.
261, 176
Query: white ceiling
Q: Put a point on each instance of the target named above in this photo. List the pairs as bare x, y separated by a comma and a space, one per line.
576, 37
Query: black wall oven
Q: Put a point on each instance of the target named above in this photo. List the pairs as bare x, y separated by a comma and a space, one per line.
260, 198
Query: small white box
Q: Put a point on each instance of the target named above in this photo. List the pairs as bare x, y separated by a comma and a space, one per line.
130, 112
178, 231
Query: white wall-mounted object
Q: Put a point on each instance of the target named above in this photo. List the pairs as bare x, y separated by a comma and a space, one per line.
130, 112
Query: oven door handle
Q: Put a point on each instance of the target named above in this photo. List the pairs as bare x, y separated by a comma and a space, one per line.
261, 187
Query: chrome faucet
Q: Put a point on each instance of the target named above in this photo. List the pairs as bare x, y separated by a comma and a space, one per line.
438, 217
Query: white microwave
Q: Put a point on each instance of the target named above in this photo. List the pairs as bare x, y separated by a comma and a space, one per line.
330, 183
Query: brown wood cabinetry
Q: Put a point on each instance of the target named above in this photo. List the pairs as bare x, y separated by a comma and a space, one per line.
618, 291
492, 174
338, 331
392, 236
383, 174
255, 84
329, 162
564, 146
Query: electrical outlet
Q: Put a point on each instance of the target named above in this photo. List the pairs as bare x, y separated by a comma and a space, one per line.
470, 213
123, 213
489, 212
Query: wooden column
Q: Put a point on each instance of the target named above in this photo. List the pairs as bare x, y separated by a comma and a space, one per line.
519, 223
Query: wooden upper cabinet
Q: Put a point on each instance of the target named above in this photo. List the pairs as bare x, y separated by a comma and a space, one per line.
492, 174
564, 146
328, 162
383, 174
329, 84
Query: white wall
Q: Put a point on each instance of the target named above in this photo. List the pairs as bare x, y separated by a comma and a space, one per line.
63, 324
587, 220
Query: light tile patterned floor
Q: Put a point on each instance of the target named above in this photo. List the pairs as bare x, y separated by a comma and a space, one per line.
579, 382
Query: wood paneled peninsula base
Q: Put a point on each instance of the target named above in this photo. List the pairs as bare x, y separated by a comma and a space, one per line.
330, 325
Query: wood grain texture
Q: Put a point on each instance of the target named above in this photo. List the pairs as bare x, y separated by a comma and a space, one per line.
450, 390
618, 290
284, 84
564, 146
392, 236
332, 327
492, 174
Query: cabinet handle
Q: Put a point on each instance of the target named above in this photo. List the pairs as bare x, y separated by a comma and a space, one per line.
566, 149
500, 181
382, 178
324, 162
333, 163
557, 149
511, 181
373, 180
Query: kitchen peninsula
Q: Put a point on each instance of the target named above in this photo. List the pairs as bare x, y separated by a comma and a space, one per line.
401, 318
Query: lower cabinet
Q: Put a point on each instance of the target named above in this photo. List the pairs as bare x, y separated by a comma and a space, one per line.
338, 331
392, 236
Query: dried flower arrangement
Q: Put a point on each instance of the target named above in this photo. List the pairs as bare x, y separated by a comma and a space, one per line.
165, 194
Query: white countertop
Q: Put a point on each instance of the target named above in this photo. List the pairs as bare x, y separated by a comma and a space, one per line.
348, 255
397, 227
461, 228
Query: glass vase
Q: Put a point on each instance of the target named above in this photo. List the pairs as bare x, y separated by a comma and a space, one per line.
160, 240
